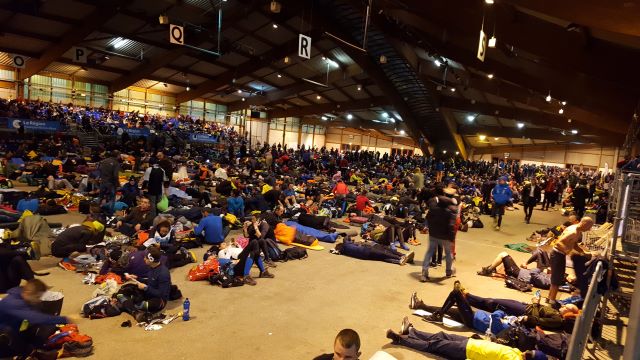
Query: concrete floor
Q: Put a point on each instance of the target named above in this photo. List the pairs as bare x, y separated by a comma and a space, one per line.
297, 314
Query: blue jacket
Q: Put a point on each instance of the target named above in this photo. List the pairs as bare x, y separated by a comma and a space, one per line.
482, 320
235, 204
212, 227
14, 310
158, 283
501, 194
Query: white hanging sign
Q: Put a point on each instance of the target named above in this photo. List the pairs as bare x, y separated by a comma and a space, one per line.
18, 61
304, 46
176, 34
482, 45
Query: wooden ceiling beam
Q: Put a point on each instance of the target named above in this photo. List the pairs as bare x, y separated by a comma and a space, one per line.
331, 107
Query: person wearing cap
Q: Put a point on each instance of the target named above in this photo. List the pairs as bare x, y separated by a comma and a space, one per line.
149, 295
501, 195
130, 191
457, 347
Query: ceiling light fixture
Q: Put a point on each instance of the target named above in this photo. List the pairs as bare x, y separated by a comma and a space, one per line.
318, 97
279, 75
437, 62
490, 76
520, 125
188, 88
496, 139
482, 137
324, 117
457, 152
349, 116
488, 2
402, 132
561, 111
563, 103
385, 115
470, 118
359, 87
119, 42
574, 131
548, 98
444, 151
275, 26
243, 99
569, 120
239, 91
492, 42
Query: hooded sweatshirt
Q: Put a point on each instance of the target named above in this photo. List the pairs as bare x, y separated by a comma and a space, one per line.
502, 193
14, 310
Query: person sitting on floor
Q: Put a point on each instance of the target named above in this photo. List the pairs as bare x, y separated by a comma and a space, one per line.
456, 347
130, 191
13, 268
164, 238
138, 219
23, 326
235, 204
210, 228
246, 259
150, 295
371, 251
76, 239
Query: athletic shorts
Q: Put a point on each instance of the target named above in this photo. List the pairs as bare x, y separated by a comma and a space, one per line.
510, 266
558, 267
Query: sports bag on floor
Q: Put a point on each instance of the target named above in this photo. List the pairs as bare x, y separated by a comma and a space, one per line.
517, 284
294, 253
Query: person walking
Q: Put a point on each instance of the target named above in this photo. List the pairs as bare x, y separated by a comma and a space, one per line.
531, 195
154, 178
550, 194
109, 177
580, 196
501, 195
441, 219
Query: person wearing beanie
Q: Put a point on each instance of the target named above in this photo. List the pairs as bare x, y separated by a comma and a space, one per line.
500, 195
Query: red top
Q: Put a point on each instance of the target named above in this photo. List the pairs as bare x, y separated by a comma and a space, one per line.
361, 202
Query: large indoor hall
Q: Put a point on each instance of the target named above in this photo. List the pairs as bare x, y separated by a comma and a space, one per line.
319, 179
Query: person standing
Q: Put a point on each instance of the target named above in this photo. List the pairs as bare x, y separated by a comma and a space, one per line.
501, 195
166, 165
550, 193
109, 174
418, 179
154, 178
441, 219
531, 195
580, 196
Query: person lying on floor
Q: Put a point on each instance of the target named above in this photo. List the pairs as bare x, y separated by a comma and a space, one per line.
13, 268
76, 239
538, 277
387, 234
456, 347
23, 326
249, 256
492, 310
554, 231
138, 219
164, 238
149, 295
371, 251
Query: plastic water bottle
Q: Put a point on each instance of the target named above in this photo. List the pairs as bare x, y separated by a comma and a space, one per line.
185, 309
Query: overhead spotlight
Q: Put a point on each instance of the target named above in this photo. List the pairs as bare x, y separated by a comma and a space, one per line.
163, 19
165, 85
520, 125
490, 76
574, 131
349, 116
548, 98
453, 89
489, 2
243, 99
561, 111
324, 117
188, 88
402, 132
470, 118
563, 103
383, 59
569, 120
457, 152
393, 121
318, 97
275, 26
482, 137
239, 91
119, 42
286, 59
279, 75
437, 62
83, 94
495, 138
492, 42
385, 115
444, 151
359, 87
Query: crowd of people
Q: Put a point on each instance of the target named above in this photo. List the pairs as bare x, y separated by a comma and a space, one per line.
148, 206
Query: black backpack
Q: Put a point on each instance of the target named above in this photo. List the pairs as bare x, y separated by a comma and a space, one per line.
294, 253
517, 284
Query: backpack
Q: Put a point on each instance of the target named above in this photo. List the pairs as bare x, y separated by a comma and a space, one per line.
274, 250
205, 270
517, 284
294, 253
78, 344
477, 224
100, 307
518, 337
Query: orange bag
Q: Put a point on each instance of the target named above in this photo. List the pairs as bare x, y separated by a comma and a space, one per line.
142, 237
204, 270
285, 234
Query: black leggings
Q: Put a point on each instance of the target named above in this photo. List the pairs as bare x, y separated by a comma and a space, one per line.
463, 313
132, 299
13, 269
251, 251
437, 256
62, 250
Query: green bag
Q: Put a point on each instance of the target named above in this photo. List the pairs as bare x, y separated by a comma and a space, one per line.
163, 204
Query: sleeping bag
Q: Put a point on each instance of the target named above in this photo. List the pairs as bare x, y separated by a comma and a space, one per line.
320, 235
285, 234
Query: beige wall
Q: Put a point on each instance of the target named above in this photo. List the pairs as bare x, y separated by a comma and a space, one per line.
595, 156
371, 141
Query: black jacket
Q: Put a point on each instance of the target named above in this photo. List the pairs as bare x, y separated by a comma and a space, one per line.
580, 195
537, 193
442, 217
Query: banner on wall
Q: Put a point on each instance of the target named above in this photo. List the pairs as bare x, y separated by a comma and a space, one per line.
137, 132
203, 138
30, 125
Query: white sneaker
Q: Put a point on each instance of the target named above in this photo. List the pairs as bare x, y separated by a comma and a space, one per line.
497, 228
